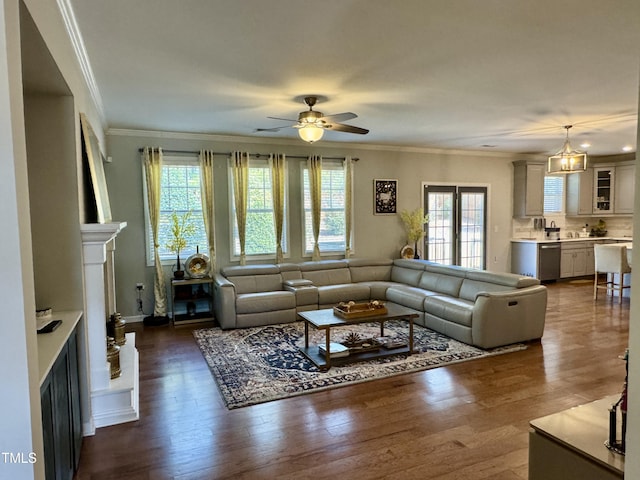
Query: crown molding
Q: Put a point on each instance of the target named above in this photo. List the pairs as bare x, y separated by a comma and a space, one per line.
71, 25
211, 137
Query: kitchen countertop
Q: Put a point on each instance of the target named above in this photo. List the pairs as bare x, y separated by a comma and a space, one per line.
581, 239
584, 430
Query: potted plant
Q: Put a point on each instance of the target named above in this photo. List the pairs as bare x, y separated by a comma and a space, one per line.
181, 229
414, 222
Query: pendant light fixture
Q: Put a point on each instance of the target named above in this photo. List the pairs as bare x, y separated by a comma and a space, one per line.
567, 160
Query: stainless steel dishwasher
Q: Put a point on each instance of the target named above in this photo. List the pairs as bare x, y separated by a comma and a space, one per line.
549, 261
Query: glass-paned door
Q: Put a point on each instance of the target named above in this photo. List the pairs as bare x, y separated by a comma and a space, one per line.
457, 231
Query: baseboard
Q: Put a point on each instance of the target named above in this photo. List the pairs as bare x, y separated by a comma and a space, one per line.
134, 318
140, 318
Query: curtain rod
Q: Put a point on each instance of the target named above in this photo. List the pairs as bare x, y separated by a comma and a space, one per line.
257, 155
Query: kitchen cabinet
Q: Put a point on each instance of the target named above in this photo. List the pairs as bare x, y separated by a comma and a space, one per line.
603, 189
576, 259
579, 193
528, 188
624, 189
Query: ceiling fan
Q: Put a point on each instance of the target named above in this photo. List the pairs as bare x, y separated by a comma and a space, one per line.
311, 124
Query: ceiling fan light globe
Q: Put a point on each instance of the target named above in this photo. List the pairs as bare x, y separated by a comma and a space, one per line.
310, 133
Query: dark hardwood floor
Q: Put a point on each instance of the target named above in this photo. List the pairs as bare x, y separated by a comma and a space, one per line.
467, 421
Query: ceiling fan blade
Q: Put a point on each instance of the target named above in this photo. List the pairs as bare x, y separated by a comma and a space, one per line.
339, 117
283, 119
274, 129
341, 127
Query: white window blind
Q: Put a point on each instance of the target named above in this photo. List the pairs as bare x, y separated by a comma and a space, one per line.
553, 193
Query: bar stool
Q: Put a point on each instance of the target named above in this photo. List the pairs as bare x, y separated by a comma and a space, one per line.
611, 260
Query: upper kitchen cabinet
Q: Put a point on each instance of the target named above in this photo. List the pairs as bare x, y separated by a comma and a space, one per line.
624, 189
603, 189
528, 188
579, 193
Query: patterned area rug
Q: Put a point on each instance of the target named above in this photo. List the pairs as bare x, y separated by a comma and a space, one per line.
262, 364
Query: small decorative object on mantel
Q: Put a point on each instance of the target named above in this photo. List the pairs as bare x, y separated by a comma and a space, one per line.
181, 229
612, 443
113, 357
414, 222
115, 329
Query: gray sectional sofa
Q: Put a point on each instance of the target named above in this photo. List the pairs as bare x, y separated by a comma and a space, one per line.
478, 307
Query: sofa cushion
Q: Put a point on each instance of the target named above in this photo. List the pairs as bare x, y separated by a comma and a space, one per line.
257, 283
289, 271
408, 296
409, 275
327, 272
449, 308
470, 288
265, 302
441, 283
370, 270
506, 279
334, 294
378, 290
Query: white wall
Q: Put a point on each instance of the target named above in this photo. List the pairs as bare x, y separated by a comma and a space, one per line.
21, 430
632, 458
374, 235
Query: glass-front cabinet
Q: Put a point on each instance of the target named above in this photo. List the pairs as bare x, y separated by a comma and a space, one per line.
603, 178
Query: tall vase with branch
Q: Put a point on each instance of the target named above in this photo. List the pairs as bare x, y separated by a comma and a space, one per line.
414, 222
181, 229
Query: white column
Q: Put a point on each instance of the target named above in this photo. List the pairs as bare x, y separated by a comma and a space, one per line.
112, 401
94, 260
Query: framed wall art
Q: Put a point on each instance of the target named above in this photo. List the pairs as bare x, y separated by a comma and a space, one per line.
384, 196
93, 155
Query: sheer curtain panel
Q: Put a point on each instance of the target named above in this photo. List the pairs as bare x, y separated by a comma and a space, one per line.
206, 185
314, 164
278, 164
152, 159
348, 205
240, 172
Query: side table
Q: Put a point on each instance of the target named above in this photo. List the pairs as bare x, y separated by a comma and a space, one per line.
192, 300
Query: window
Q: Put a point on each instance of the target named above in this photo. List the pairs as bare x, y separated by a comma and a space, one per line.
332, 218
553, 193
260, 230
180, 193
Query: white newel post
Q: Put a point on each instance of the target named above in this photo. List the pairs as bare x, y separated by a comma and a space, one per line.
112, 401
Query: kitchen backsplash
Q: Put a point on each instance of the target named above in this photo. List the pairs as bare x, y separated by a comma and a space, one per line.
616, 226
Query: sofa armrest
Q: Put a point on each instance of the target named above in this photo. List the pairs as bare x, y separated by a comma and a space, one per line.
502, 318
306, 293
224, 301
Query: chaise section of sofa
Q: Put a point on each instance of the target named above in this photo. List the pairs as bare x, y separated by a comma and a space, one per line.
478, 307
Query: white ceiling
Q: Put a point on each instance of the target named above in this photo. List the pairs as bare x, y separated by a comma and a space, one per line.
502, 75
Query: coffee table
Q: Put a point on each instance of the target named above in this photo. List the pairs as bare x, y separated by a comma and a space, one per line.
325, 319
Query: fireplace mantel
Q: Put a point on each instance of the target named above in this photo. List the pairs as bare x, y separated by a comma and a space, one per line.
112, 401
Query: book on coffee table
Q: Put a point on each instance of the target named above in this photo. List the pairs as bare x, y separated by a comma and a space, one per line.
336, 350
